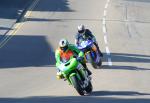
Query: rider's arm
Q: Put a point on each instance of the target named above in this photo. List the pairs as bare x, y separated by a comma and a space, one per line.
76, 50
57, 57
76, 40
90, 35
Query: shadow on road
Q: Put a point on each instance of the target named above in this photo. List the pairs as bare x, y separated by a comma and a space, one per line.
138, 0
26, 51
59, 20
127, 58
4, 31
118, 93
12, 9
116, 67
72, 99
50, 6
53, 5
5, 28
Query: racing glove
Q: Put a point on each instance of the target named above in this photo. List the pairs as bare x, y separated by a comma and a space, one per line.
80, 59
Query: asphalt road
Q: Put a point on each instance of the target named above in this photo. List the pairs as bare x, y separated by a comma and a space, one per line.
10, 12
27, 64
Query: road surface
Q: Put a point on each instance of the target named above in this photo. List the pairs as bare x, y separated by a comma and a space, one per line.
10, 13
121, 27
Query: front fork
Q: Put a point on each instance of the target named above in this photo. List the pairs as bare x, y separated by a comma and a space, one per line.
82, 76
85, 76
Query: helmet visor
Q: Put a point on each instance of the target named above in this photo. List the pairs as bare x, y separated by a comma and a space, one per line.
81, 31
64, 48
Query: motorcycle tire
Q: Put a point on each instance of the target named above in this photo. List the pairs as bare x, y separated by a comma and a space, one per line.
89, 88
100, 63
76, 85
89, 56
94, 65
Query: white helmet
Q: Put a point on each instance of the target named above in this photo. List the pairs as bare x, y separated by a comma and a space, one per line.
81, 29
63, 44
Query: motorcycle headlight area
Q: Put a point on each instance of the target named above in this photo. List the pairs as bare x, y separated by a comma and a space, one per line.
62, 68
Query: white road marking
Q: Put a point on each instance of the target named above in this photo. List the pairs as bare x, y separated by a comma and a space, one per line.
107, 50
104, 21
105, 39
106, 5
109, 61
104, 29
105, 13
105, 33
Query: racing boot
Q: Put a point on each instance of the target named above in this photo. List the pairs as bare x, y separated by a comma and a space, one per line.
101, 54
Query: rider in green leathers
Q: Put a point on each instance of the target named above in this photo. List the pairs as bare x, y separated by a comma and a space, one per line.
65, 50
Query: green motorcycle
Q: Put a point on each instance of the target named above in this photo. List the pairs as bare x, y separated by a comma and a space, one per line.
76, 75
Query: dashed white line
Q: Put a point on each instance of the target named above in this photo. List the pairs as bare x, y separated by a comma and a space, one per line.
104, 21
109, 61
106, 5
104, 29
105, 33
107, 50
105, 13
105, 39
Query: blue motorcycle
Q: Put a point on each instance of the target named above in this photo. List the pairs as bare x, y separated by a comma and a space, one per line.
91, 53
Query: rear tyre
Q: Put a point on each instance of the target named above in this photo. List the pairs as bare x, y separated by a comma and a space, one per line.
100, 63
76, 85
94, 65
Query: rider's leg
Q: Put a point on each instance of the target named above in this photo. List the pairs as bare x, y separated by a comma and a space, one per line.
101, 54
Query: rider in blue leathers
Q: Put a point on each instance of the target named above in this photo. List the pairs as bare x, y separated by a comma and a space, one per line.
84, 34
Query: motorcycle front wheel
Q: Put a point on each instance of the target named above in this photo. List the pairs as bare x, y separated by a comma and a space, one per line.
89, 88
76, 85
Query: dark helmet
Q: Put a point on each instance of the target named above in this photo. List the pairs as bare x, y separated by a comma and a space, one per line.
63, 44
81, 29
